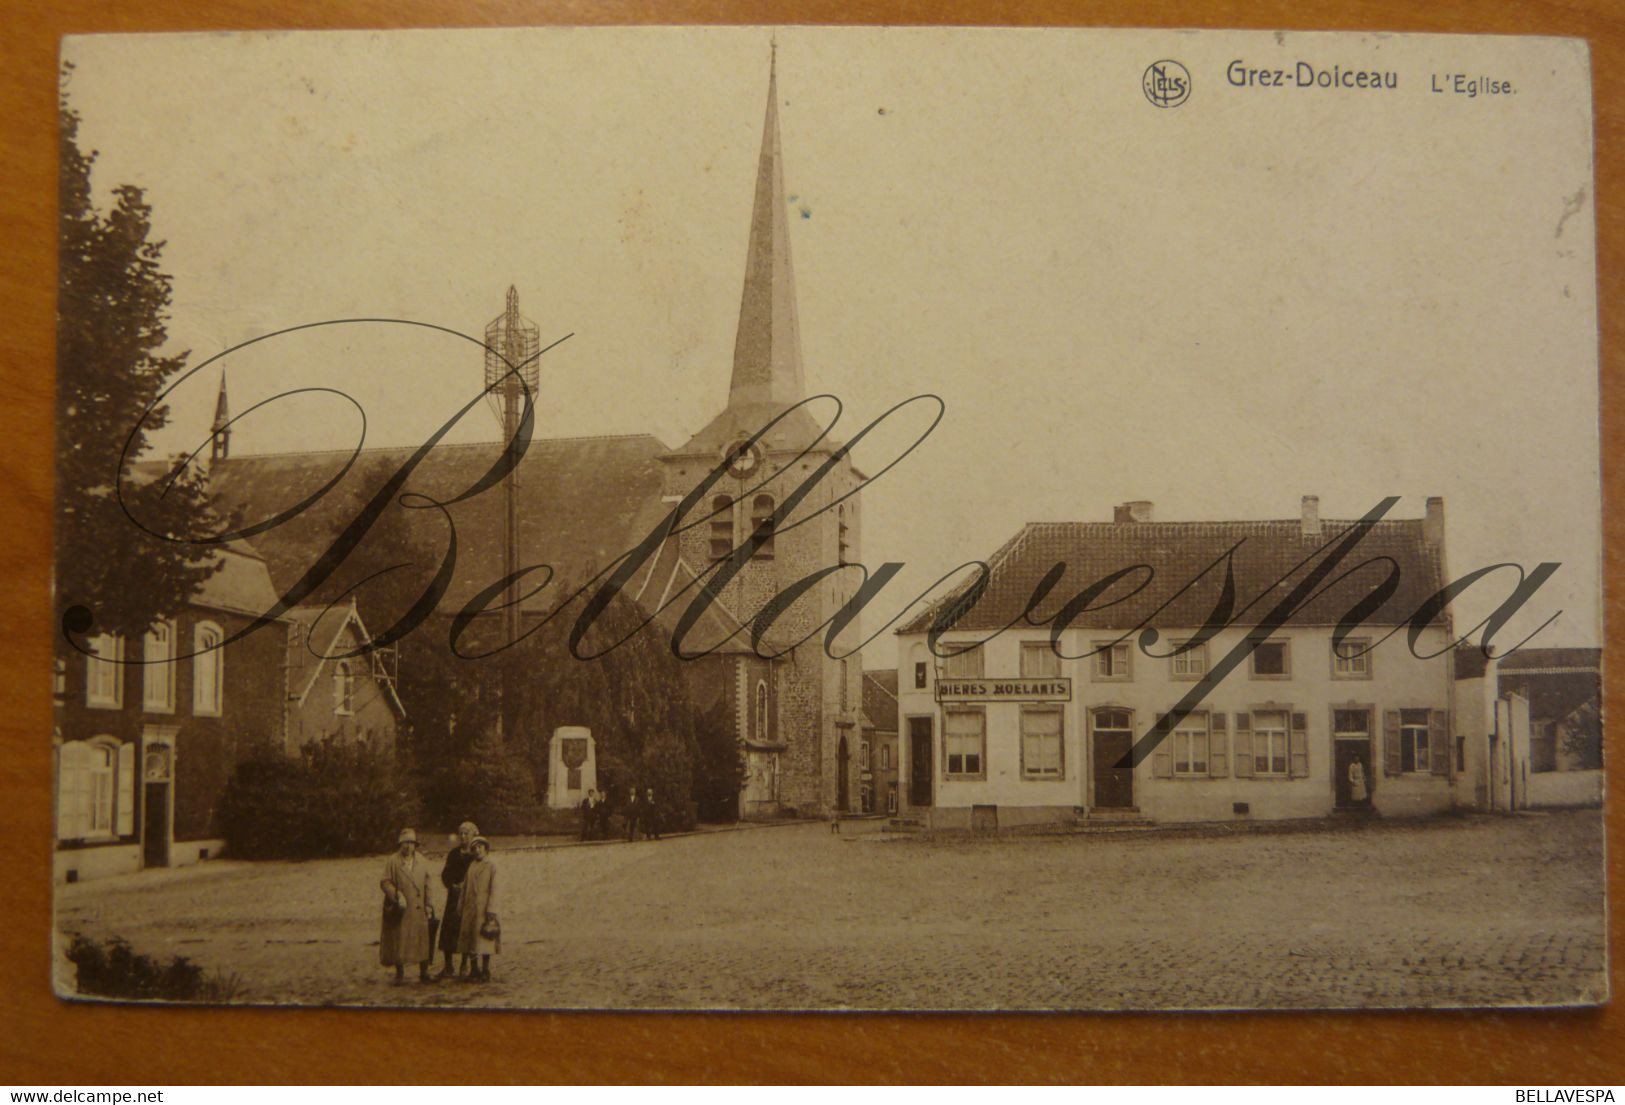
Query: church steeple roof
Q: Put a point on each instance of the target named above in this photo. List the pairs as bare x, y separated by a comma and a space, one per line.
222, 410
220, 430
767, 348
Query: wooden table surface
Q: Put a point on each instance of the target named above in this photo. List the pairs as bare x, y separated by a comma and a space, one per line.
54, 1043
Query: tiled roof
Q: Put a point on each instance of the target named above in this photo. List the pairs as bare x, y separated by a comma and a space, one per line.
1266, 564
242, 585
1553, 659
582, 502
880, 698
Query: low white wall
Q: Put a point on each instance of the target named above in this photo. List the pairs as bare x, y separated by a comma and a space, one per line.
97, 862
1565, 788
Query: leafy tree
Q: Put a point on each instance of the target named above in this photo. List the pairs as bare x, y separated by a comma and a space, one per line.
719, 768
1582, 735
113, 306
633, 698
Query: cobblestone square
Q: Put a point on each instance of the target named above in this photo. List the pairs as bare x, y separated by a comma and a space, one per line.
1455, 911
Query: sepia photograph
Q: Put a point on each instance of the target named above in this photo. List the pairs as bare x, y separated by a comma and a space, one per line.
813, 518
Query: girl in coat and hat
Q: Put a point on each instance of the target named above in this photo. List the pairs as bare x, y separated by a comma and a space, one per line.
480, 932
404, 937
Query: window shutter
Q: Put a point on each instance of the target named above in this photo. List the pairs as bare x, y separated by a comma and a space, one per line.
1243, 750
66, 791
1299, 747
1218, 765
1390, 742
124, 799
1439, 742
1162, 760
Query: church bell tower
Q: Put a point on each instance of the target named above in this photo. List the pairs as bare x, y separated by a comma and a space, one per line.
796, 714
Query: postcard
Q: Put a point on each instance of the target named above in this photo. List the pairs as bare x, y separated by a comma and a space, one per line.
828, 519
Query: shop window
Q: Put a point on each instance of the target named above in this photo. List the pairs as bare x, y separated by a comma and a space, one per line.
1041, 744
1270, 742
965, 738
1190, 739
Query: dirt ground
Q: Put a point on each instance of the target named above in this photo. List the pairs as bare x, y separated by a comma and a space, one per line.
1472, 911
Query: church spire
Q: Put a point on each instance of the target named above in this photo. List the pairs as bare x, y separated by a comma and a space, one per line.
220, 442
767, 349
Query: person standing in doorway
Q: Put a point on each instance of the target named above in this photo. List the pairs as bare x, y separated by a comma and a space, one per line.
1357, 788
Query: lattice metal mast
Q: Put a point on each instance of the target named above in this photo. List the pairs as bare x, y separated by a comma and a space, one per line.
512, 348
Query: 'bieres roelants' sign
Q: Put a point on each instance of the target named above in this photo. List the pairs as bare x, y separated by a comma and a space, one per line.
1054, 689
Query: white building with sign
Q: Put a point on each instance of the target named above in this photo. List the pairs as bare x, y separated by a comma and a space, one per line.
1008, 722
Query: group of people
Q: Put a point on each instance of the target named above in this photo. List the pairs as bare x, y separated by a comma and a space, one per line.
638, 812
469, 933
469, 927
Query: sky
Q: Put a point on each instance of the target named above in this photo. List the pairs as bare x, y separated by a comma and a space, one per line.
1219, 307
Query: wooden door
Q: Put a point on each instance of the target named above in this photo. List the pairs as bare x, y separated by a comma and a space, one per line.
1113, 738
155, 826
919, 761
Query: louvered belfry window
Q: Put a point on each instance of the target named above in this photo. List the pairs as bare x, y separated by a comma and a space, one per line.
722, 526
761, 525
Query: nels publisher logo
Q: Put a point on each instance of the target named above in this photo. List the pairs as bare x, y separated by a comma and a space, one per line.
1167, 83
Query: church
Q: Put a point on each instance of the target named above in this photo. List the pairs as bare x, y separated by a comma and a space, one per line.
581, 503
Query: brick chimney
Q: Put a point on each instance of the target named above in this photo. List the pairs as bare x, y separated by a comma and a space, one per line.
1137, 510
1433, 522
1311, 515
